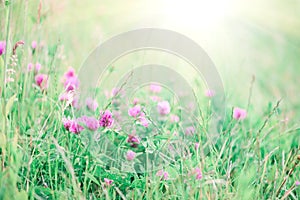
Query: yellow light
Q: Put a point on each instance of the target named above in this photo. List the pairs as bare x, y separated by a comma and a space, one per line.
196, 13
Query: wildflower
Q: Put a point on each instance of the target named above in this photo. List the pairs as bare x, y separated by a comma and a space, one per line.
67, 123
66, 96
70, 97
108, 182
133, 140
38, 67
197, 146
33, 44
155, 88
239, 114
198, 173
41, 80
2, 47
106, 119
70, 73
90, 122
72, 125
91, 104
163, 108
144, 122
75, 128
29, 67
134, 111
160, 173
135, 101
71, 83
130, 155
209, 93
174, 118
190, 130
297, 183
164, 174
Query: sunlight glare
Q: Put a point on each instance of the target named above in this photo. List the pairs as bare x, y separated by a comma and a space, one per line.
200, 13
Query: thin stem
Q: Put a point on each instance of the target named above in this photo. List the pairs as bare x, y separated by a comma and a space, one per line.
288, 175
250, 92
8, 17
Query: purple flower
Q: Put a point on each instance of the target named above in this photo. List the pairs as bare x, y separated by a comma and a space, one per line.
160, 173
130, 155
134, 111
133, 140
209, 93
70, 98
198, 173
108, 182
144, 122
163, 108
70, 73
29, 67
33, 44
297, 183
135, 101
2, 47
164, 174
41, 80
72, 125
106, 119
91, 104
197, 146
71, 83
239, 114
67, 123
155, 88
190, 130
174, 118
90, 122
65, 96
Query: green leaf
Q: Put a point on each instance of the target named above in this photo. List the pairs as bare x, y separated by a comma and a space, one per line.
90, 176
9, 104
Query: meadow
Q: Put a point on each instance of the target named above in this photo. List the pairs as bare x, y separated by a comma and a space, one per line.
134, 137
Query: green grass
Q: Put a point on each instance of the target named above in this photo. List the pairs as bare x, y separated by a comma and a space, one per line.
257, 158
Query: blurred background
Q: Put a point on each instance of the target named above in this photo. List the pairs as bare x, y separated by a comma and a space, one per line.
244, 38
